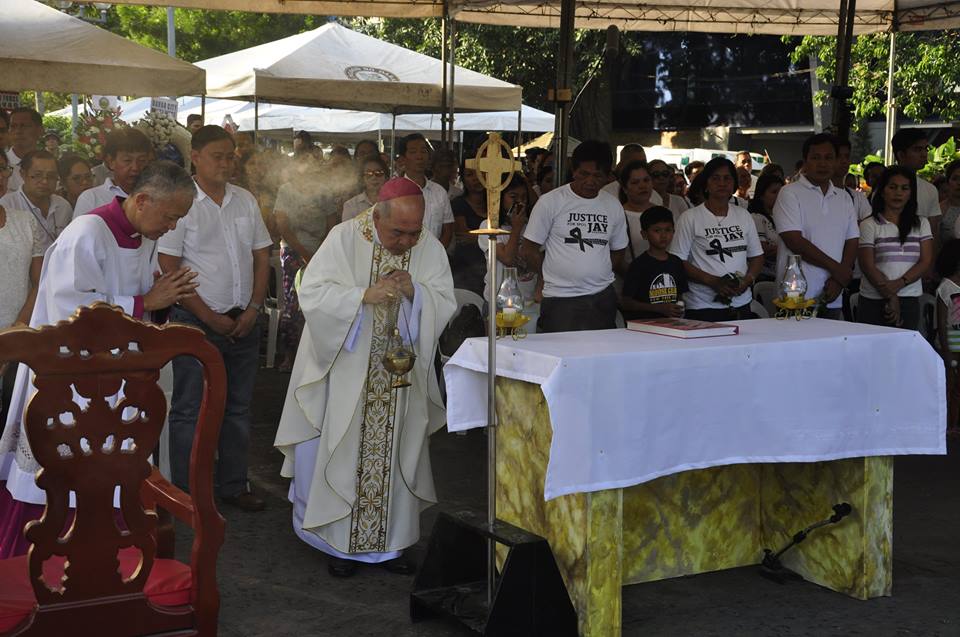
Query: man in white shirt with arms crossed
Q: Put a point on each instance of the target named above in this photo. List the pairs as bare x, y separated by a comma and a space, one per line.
818, 221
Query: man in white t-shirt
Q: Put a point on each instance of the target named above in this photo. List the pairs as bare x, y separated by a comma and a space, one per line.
36, 195
225, 241
584, 233
437, 215
910, 150
126, 154
745, 161
817, 221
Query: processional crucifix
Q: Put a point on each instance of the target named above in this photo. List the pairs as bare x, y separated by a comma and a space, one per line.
494, 172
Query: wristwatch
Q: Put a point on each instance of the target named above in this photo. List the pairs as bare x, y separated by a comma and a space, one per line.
255, 306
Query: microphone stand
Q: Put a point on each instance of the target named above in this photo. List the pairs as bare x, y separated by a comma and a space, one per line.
773, 569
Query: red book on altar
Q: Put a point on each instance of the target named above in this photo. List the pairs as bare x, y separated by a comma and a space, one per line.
683, 328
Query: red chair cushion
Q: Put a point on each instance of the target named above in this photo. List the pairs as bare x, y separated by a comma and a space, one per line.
168, 585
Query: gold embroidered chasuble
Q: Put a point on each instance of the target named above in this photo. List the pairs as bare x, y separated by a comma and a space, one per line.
354, 446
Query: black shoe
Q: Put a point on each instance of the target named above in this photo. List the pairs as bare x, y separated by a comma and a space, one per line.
399, 566
246, 501
340, 567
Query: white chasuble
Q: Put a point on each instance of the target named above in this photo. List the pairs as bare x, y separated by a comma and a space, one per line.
84, 265
356, 447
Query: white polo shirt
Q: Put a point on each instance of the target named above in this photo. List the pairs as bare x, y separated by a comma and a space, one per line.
52, 225
217, 242
14, 181
101, 195
827, 221
578, 235
928, 199
437, 210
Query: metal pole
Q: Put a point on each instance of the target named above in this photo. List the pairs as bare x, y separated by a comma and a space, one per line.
891, 103
393, 142
563, 90
203, 109
519, 129
841, 91
453, 70
256, 120
74, 113
171, 33
444, 36
491, 414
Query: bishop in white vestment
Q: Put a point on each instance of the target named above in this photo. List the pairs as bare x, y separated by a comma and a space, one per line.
108, 255
356, 447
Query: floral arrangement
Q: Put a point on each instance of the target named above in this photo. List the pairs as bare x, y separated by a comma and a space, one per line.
92, 130
158, 127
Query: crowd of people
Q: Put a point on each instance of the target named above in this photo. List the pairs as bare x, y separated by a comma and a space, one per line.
639, 239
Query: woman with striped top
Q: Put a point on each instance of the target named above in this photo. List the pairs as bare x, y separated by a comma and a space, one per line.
895, 250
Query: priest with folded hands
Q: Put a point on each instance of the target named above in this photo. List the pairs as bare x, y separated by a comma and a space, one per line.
355, 446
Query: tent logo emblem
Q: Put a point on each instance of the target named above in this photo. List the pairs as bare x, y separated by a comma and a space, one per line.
369, 74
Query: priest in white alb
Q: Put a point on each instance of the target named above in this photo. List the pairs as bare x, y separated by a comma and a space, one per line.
108, 255
357, 448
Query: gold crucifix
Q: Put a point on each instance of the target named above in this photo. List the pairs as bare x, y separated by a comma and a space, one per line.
494, 172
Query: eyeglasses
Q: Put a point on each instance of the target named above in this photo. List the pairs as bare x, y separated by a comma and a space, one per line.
6, 169
373, 173
43, 176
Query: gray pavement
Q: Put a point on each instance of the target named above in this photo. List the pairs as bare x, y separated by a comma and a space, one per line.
271, 584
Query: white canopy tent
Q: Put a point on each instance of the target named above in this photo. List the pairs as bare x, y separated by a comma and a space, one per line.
778, 17
337, 124
336, 67
42, 48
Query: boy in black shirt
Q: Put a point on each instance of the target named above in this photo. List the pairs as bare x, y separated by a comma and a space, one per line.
656, 279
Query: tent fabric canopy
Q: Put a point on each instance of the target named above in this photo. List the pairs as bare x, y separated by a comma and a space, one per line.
778, 17
42, 48
336, 67
336, 124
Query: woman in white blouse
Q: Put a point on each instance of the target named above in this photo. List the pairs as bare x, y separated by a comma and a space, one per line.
21, 255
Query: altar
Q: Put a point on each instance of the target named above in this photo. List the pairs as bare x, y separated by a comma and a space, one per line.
642, 457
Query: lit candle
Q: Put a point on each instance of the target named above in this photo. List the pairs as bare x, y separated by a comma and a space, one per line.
793, 292
509, 311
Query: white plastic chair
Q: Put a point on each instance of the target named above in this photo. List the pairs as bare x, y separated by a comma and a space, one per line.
928, 317
764, 292
759, 309
274, 306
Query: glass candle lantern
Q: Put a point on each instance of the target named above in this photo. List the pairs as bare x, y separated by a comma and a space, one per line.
509, 298
794, 284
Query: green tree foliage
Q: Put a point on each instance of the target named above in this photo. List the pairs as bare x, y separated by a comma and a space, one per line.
205, 34
926, 77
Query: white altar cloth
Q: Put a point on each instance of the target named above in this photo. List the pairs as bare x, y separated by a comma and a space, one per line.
628, 407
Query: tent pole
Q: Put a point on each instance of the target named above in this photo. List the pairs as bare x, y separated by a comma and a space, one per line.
393, 142
444, 35
453, 82
256, 121
74, 113
519, 129
203, 109
563, 90
171, 33
841, 91
891, 104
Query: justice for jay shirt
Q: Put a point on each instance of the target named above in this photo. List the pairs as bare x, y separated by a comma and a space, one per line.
577, 235
718, 246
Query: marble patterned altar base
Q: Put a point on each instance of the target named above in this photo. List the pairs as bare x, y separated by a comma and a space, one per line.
691, 522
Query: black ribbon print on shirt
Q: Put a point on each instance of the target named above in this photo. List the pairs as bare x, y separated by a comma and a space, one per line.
576, 236
723, 252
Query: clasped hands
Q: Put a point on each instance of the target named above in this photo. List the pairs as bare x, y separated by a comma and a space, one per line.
170, 288
389, 288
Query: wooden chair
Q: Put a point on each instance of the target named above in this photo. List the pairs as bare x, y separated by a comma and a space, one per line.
101, 570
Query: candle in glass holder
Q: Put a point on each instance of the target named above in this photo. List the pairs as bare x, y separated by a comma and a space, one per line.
793, 294
509, 312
